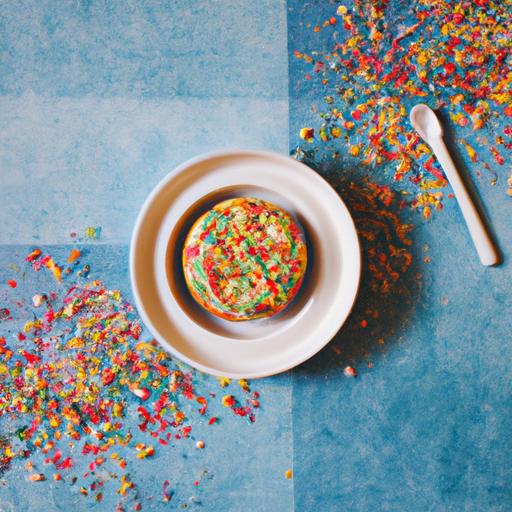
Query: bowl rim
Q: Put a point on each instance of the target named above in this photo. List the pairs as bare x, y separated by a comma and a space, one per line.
139, 225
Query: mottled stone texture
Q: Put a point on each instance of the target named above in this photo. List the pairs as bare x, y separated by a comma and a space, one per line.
100, 100
428, 426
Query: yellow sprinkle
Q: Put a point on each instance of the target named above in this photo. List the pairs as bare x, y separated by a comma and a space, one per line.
55, 421
179, 417
224, 381
307, 134
244, 384
55, 269
117, 410
125, 485
446, 28
288, 474
471, 152
91, 233
335, 132
75, 342
145, 451
422, 74
422, 58
142, 345
227, 401
459, 56
457, 98
354, 150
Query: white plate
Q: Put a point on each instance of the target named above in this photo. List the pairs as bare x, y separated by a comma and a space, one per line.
254, 348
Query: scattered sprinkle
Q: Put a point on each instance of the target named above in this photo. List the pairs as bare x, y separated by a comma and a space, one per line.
93, 233
307, 134
37, 477
378, 62
228, 401
74, 369
224, 381
349, 371
73, 255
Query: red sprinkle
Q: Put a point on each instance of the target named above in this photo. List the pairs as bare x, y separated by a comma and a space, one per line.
349, 371
34, 255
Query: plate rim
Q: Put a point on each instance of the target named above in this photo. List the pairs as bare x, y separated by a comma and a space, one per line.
145, 207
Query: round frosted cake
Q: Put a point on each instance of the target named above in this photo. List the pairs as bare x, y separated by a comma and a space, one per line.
244, 259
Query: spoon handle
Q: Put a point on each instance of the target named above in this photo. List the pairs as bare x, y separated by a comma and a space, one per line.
477, 229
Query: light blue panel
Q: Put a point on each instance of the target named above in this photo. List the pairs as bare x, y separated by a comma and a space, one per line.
245, 462
427, 427
69, 163
99, 100
157, 48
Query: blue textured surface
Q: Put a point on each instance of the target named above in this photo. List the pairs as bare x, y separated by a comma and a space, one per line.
144, 49
245, 462
98, 101
427, 427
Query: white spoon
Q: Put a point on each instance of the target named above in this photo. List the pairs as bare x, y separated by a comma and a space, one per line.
426, 123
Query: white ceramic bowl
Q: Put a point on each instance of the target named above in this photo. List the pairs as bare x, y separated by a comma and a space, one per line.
254, 348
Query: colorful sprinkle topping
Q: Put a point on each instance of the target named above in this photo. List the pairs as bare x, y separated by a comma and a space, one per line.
244, 259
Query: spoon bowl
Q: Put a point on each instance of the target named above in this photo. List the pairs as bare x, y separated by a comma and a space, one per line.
425, 122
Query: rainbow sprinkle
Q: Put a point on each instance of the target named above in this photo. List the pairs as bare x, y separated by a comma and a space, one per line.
244, 259
74, 374
454, 56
